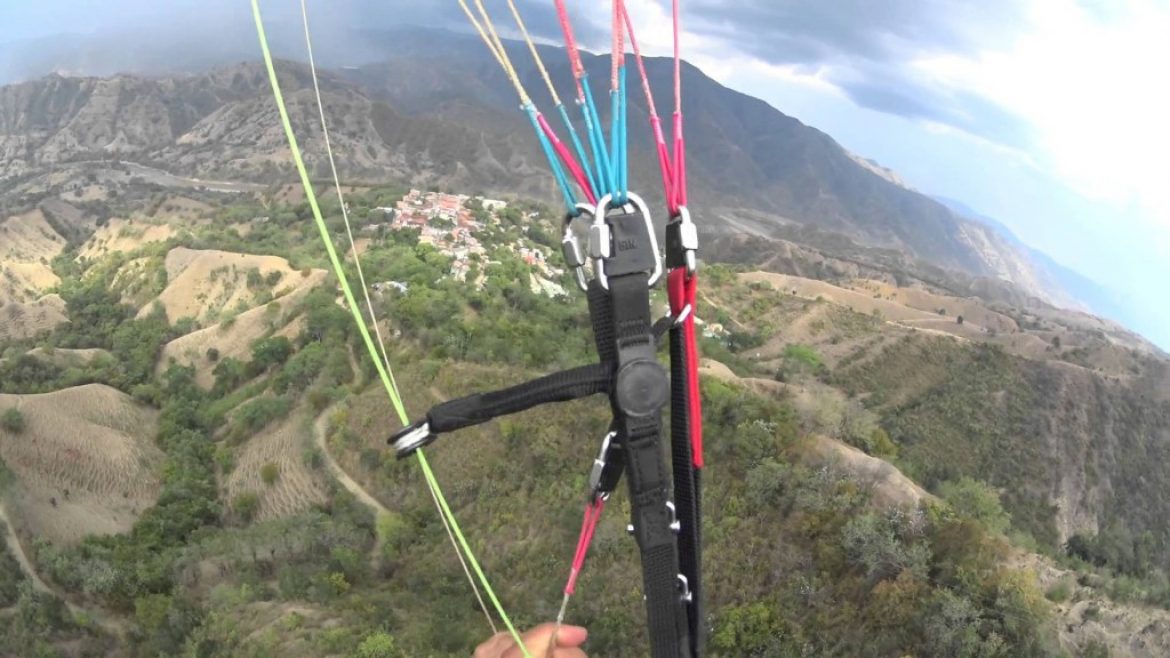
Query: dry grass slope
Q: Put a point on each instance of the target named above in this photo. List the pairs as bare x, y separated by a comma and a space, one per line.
27, 245
26, 319
234, 337
85, 463
202, 284
900, 310
121, 235
297, 487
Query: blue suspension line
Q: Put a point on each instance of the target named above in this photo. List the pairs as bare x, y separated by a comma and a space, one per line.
581, 156
623, 176
553, 162
597, 141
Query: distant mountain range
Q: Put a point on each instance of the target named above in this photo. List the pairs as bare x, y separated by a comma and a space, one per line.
1092, 296
448, 116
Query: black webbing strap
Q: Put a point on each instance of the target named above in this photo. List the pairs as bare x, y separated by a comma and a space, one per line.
557, 387
687, 495
682, 241
639, 394
601, 318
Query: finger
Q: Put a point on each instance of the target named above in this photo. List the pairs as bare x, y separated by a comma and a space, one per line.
567, 636
569, 653
494, 647
537, 641
571, 636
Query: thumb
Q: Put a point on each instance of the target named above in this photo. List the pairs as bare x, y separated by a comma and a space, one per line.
537, 640
569, 637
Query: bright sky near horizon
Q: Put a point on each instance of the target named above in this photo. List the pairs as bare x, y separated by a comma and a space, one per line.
1049, 115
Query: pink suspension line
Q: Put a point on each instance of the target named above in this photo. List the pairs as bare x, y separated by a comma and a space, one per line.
664, 160
618, 54
571, 47
680, 152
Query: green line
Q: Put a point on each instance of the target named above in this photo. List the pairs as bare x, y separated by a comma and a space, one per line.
383, 373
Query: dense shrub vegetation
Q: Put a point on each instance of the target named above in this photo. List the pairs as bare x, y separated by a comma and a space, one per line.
801, 561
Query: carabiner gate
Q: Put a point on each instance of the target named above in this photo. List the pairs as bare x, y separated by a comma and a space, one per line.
598, 469
601, 241
571, 248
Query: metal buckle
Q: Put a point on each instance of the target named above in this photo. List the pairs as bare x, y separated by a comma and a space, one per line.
685, 586
411, 438
571, 248
600, 237
689, 240
675, 524
598, 469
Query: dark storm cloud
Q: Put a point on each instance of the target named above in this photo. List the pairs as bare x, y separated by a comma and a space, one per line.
147, 36
861, 46
795, 31
539, 16
865, 47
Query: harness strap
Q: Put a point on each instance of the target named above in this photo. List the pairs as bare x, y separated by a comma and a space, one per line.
686, 462
639, 395
479, 408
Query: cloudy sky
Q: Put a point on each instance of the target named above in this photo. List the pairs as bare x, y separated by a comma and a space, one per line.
1049, 115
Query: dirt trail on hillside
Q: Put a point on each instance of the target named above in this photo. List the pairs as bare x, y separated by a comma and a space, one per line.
99, 617
319, 436
17, 550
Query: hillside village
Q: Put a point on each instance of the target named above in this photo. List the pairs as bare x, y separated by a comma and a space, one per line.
449, 223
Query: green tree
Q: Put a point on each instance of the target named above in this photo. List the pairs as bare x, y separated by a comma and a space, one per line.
270, 352
229, 374
12, 420
269, 472
976, 500
246, 505
756, 629
378, 645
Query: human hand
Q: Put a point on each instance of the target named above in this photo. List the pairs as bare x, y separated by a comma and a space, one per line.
537, 641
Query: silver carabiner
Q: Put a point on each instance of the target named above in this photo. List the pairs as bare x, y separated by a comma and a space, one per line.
600, 237
572, 249
412, 437
689, 237
598, 469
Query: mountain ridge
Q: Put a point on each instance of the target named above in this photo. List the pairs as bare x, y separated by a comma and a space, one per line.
746, 156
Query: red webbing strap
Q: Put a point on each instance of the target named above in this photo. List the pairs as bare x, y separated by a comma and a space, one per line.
588, 526
681, 290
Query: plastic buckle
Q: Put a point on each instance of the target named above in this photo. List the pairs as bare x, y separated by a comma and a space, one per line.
412, 437
598, 469
682, 238
601, 237
572, 249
